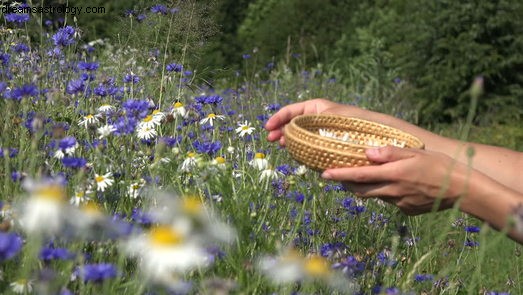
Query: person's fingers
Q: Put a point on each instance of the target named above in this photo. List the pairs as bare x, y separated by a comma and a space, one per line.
388, 154
274, 135
284, 115
375, 190
365, 174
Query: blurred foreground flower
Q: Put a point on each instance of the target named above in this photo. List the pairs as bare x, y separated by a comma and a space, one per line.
291, 267
178, 242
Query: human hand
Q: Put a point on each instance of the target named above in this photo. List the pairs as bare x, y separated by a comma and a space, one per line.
414, 180
277, 122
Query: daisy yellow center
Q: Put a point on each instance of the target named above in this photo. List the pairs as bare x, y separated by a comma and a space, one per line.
52, 192
99, 178
135, 186
178, 104
220, 160
156, 112
191, 154
148, 118
245, 127
259, 156
192, 205
316, 266
91, 208
211, 116
89, 117
106, 105
165, 236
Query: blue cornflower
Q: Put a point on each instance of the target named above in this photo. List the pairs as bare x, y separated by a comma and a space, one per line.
158, 8
75, 86
16, 176
51, 253
131, 78
207, 147
74, 162
141, 17
27, 90
472, 229
141, 217
351, 266
64, 36
350, 205
296, 196
11, 152
67, 142
88, 66
273, 107
471, 243
329, 249
246, 56
285, 169
100, 90
170, 141
174, 67
138, 109
10, 245
97, 272
18, 18
20, 47
211, 99
384, 259
423, 277
4, 58
125, 125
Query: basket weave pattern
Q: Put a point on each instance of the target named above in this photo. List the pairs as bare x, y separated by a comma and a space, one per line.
307, 146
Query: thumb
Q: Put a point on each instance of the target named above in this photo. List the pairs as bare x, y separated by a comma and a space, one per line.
388, 154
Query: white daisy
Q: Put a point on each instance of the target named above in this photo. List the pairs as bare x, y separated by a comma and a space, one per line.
269, 174
103, 181
259, 162
146, 132
105, 131
301, 170
219, 162
22, 286
80, 197
210, 119
135, 188
88, 120
179, 110
230, 149
44, 211
152, 120
244, 129
190, 162
105, 108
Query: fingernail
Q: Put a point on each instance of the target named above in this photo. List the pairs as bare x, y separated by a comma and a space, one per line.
373, 152
326, 175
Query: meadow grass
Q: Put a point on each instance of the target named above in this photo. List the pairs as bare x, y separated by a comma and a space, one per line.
51, 92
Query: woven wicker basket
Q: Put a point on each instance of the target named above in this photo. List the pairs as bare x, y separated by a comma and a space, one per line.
330, 141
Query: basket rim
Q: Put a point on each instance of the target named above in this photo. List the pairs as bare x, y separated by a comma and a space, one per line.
420, 143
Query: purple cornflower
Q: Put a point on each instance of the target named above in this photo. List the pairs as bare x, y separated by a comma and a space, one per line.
18, 18
472, 229
160, 9
74, 162
170, 141
211, 99
97, 272
4, 58
16, 176
423, 277
273, 107
140, 217
88, 66
75, 86
131, 78
51, 253
350, 266
246, 56
27, 90
471, 243
64, 36
138, 109
10, 245
207, 147
330, 249
285, 169
20, 47
174, 67
67, 142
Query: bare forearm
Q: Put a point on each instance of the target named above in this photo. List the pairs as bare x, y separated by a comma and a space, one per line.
493, 203
501, 164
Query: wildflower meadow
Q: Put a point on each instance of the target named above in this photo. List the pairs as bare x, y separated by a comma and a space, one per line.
125, 170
